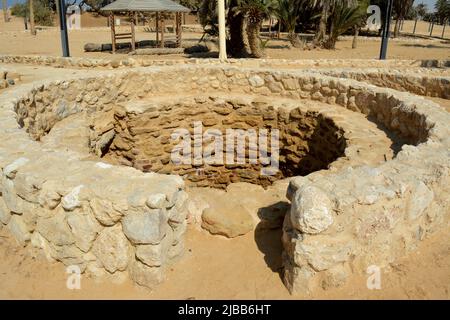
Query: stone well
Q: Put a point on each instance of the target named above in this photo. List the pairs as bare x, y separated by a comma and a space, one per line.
114, 204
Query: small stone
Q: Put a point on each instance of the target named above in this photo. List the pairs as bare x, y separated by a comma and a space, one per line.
71, 201
231, 222
145, 228
156, 201
5, 214
104, 212
256, 81
146, 276
112, 249
19, 230
11, 169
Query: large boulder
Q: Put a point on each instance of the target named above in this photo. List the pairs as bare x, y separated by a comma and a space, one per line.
227, 221
311, 210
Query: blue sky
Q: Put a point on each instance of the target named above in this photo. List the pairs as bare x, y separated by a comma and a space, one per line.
430, 3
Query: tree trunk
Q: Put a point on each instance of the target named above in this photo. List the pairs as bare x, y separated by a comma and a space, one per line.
5, 11
32, 27
236, 24
295, 41
253, 39
320, 34
355, 39
397, 27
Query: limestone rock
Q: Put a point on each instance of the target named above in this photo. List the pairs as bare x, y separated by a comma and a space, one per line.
229, 222
104, 212
112, 249
256, 81
55, 229
311, 210
11, 169
71, 200
84, 229
156, 201
19, 229
145, 228
146, 276
421, 197
5, 214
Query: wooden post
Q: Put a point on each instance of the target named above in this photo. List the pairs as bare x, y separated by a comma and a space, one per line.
133, 39
161, 45
112, 23
157, 28
178, 28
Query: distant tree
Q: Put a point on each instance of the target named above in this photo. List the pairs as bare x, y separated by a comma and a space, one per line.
401, 8
255, 11
442, 10
344, 18
421, 10
5, 10
287, 13
41, 13
194, 5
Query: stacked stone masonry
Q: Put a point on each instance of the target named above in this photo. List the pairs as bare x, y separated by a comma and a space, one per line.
112, 219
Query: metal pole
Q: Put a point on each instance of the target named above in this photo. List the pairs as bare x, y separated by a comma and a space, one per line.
63, 28
222, 31
431, 30
386, 31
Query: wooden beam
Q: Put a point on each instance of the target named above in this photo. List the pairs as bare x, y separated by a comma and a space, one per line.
113, 32
178, 28
162, 33
157, 28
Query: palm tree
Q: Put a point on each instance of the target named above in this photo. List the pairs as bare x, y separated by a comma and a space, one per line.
401, 8
327, 10
236, 23
344, 18
255, 11
421, 10
442, 10
287, 13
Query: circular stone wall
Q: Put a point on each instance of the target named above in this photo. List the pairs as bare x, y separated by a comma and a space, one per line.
139, 133
115, 219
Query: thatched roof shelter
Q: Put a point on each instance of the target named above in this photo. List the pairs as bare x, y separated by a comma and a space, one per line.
133, 6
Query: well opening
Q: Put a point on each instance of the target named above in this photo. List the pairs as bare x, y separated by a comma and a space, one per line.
221, 141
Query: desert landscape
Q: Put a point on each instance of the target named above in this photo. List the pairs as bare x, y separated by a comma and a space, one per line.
89, 179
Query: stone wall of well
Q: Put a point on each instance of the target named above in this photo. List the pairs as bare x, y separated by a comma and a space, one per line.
352, 217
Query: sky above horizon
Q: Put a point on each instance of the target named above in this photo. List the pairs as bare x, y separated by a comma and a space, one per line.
429, 3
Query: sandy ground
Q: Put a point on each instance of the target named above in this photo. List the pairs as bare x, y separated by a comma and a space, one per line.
14, 40
218, 268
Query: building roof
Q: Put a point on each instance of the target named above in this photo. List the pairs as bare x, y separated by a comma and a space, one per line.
145, 5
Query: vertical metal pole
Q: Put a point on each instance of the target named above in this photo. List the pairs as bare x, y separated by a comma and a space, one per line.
222, 31
386, 31
63, 28
415, 26
431, 30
